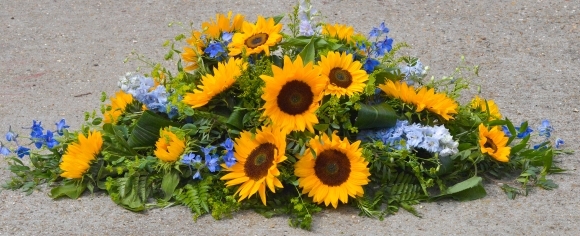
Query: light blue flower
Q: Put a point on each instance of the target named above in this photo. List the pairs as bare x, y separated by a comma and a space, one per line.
414, 138
37, 130
197, 175
4, 150
430, 144
559, 142
60, 126
211, 161
545, 129
11, 136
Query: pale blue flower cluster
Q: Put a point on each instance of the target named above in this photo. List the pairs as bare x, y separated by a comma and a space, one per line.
141, 88
434, 139
413, 71
306, 15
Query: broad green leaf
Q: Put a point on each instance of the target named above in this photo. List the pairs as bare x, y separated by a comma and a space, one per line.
236, 120
375, 116
467, 190
307, 53
169, 183
146, 131
71, 189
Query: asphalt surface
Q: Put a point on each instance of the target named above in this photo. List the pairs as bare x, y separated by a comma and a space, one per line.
57, 56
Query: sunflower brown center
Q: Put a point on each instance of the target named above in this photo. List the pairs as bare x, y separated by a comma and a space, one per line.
340, 77
256, 40
295, 97
332, 167
489, 144
259, 161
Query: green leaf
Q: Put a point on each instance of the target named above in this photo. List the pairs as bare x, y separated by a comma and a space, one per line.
307, 53
169, 183
236, 120
467, 190
146, 131
278, 18
375, 116
71, 189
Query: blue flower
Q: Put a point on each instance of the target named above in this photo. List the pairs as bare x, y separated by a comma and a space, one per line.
197, 175
191, 159
11, 136
414, 138
430, 144
50, 141
506, 131
214, 49
227, 37
382, 47
545, 129
37, 130
228, 144
559, 142
524, 133
211, 161
22, 151
60, 126
4, 150
376, 32
370, 64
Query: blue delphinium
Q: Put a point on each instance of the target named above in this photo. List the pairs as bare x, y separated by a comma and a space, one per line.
49, 139
370, 64
60, 126
4, 150
229, 158
140, 87
214, 49
545, 129
524, 133
22, 151
306, 15
559, 142
413, 70
11, 136
227, 37
434, 139
193, 160
506, 131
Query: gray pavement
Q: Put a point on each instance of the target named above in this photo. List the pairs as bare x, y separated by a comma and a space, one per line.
57, 56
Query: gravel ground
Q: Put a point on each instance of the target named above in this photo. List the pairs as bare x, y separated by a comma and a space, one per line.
57, 56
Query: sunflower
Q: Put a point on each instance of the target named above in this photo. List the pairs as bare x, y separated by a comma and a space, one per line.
425, 98
192, 54
337, 171
118, 105
493, 142
257, 161
211, 85
292, 95
482, 105
78, 156
214, 29
339, 31
256, 38
345, 75
169, 146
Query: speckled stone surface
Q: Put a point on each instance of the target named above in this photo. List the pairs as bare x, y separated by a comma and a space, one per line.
57, 56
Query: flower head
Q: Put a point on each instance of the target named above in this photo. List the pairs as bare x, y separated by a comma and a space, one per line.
169, 146
524, 133
559, 142
118, 104
60, 126
229, 158
22, 151
292, 95
370, 65
192, 53
257, 167
4, 150
11, 136
545, 129
338, 170
256, 38
79, 155
222, 24
345, 76
49, 139
425, 98
482, 105
224, 76
338, 31
493, 142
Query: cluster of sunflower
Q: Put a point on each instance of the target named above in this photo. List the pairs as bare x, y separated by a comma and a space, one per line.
323, 110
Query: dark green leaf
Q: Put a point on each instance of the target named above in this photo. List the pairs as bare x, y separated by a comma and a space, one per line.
169, 183
307, 53
375, 116
467, 190
146, 132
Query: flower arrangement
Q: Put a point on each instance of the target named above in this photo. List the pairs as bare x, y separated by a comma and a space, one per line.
286, 118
